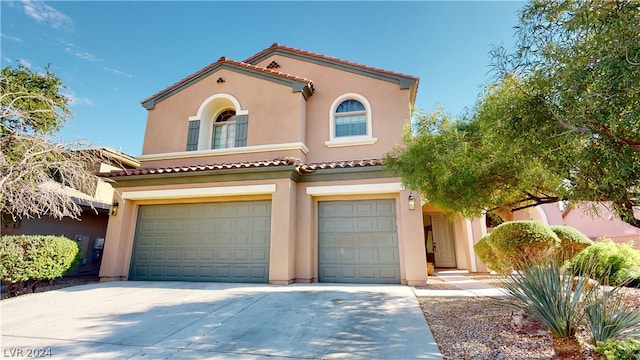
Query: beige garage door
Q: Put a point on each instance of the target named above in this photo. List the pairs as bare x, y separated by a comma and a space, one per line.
225, 242
358, 242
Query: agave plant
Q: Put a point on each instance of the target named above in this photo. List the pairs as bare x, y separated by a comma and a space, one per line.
552, 295
611, 317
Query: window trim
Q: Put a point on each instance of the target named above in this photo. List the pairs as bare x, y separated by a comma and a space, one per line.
337, 141
205, 135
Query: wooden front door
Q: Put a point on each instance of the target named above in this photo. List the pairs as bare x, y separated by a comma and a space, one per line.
444, 244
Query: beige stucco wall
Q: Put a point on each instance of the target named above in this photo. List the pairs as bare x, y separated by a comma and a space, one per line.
389, 107
276, 113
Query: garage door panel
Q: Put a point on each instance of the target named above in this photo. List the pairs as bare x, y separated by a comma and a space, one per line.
174, 255
203, 242
259, 255
358, 242
388, 256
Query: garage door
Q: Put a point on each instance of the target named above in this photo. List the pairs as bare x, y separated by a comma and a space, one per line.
226, 242
358, 242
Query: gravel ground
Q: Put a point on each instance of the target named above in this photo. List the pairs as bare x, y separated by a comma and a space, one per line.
479, 328
55, 284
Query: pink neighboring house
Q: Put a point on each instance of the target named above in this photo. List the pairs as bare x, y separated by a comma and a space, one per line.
592, 219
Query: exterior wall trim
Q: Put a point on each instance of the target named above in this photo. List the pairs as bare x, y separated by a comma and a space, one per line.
199, 192
229, 151
358, 189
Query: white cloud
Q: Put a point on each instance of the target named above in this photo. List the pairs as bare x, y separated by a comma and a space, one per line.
6, 59
73, 50
86, 56
43, 13
77, 100
25, 63
118, 72
9, 37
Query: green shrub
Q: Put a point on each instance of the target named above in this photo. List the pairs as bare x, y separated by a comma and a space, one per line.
548, 292
618, 263
519, 243
628, 349
572, 241
489, 257
36, 258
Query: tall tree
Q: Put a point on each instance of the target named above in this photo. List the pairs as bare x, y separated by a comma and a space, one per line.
560, 122
33, 168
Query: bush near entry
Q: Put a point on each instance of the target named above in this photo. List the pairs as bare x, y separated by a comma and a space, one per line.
618, 263
35, 258
490, 258
572, 241
517, 243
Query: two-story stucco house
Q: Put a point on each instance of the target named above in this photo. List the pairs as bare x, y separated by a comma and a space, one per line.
269, 170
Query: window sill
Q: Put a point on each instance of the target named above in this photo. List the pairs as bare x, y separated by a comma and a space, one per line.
350, 141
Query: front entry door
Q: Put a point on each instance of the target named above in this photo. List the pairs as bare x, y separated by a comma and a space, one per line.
445, 250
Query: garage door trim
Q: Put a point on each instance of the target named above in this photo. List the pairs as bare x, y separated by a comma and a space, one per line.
200, 192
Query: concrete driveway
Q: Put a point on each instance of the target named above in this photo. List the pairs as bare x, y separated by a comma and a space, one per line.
179, 320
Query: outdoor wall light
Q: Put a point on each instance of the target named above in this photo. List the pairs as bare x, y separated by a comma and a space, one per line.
412, 201
113, 209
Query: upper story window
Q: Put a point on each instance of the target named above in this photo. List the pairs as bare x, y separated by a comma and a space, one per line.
350, 118
350, 122
224, 130
220, 123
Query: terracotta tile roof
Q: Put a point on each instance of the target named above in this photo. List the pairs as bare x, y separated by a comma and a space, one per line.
194, 168
224, 60
276, 46
308, 168
287, 161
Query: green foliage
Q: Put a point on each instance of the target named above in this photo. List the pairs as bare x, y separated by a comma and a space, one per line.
32, 109
560, 122
31, 102
572, 241
546, 292
618, 263
490, 258
628, 349
611, 317
35, 257
523, 242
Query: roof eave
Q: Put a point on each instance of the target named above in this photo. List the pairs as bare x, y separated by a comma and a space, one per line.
297, 85
405, 82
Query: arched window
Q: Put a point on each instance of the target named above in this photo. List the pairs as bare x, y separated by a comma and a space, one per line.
220, 123
350, 119
224, 130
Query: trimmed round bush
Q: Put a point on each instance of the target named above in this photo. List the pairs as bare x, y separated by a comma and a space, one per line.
618, 264
489, 257
572, 241
520, 243
35, 257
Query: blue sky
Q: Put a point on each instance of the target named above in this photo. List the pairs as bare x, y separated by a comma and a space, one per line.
111, 54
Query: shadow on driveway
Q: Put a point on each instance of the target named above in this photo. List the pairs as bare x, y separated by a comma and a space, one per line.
180, 320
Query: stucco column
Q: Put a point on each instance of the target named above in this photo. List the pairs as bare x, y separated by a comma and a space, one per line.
412, 239
118, 242
283, 220
306, 238
478, 231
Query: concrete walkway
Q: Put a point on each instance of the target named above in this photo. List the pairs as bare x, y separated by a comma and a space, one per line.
467, 287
